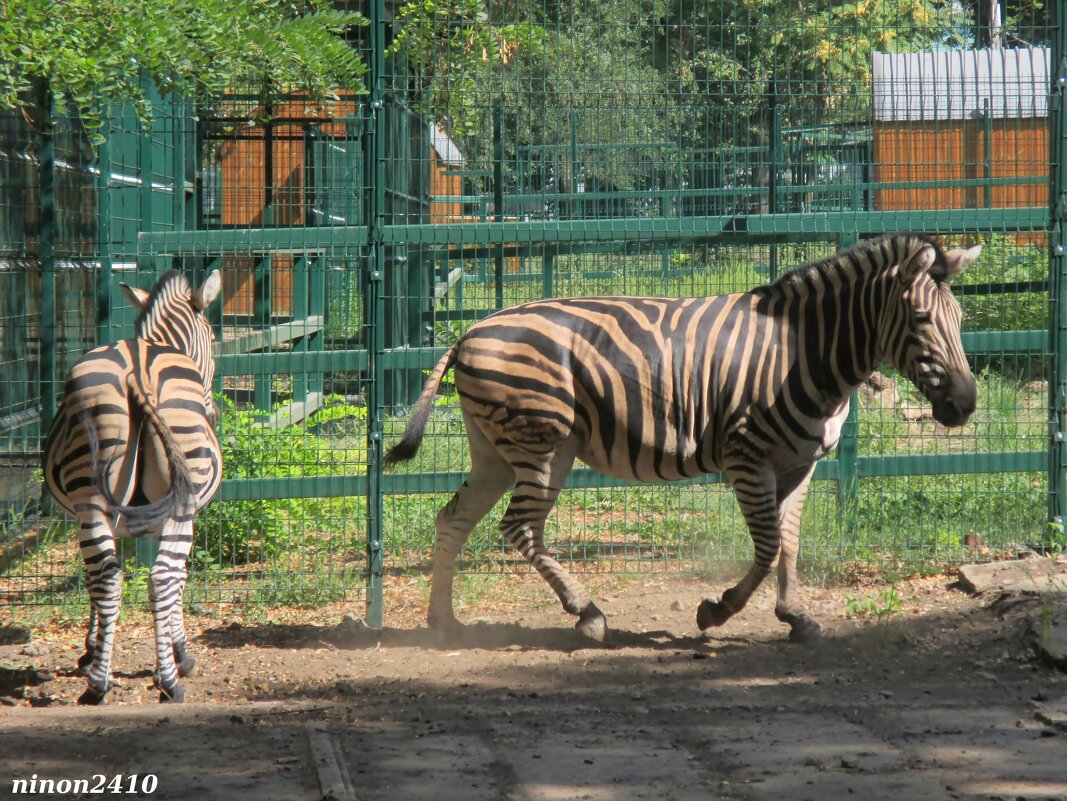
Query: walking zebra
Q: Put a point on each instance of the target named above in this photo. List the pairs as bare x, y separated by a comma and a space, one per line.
754, 384
133, 452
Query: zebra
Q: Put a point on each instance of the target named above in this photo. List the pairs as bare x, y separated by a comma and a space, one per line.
132, 451
754, 385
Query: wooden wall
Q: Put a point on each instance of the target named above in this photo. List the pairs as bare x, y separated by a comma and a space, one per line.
244, 194
951, 150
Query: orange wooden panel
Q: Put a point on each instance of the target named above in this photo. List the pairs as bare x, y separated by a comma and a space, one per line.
244, 195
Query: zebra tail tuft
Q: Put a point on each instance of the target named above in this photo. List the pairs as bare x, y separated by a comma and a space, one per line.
180, 498
420, 415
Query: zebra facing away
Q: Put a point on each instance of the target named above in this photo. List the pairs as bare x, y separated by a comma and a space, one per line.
133, 452
755, 385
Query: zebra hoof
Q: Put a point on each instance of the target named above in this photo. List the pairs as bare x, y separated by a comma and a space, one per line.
805, 631
93, 696
592, 624
185, 662
173, 695
84, 661
711, 613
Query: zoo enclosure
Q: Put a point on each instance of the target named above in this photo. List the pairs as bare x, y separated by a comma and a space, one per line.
576, 149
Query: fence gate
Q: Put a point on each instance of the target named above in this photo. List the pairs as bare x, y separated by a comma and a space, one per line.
499, 154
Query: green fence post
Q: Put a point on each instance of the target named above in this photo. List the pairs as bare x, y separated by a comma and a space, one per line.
46, 250
1057, 458
987, 154
848, 484
498, 194
145, 548
548, 270
103, 239
375, 174
262, 272
774, 169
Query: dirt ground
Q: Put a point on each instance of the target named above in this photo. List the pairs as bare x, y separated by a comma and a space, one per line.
943, 699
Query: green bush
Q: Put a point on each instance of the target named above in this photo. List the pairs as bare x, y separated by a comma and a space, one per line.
238, 532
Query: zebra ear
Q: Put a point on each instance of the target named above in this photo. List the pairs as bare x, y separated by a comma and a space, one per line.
918, 264
138, 298
208, 291
957, 260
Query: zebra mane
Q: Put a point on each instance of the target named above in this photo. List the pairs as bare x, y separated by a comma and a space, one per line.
172, 283
845, 263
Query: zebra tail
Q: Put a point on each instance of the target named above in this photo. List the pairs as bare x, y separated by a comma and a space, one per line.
180, 498
409, 443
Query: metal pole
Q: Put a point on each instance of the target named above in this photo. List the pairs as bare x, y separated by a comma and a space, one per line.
987, 154
775, 167
498, 194
46, 250
103, 244
1057, 461
848, 448
375, 310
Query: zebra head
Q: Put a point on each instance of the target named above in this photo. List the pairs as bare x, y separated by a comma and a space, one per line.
173, 314
923, 337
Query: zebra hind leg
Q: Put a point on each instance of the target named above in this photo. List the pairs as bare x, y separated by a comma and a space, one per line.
182, 658
86, 659
489, 479
523, 525
104, 583
165, 584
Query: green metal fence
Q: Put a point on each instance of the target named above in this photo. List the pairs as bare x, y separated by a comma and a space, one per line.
502, 153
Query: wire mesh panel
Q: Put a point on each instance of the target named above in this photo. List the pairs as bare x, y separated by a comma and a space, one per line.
691, 149
502, 153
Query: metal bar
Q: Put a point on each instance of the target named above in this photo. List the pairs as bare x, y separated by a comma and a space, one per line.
321, 361
817, 189
498, 193
46, 250
811, 226
1057, 396
376, 174
987, 154
848, 448
103, 238
262, 272
339, 486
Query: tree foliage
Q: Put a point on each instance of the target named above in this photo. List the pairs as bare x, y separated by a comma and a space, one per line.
81, 55
692, 74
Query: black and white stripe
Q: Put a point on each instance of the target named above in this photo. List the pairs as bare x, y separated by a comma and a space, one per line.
133, 452
753, 384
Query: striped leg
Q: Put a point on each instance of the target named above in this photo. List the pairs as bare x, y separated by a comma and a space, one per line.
104, 583
489, 479
792, 492
523, 524
86, 659
756, 493
184, 660
165, 594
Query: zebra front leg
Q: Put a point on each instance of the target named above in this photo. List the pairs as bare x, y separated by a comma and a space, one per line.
523, 525
755, 488
104, 583
792, 492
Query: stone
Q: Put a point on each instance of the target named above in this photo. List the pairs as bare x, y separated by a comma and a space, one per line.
1022, 575
1052, 713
